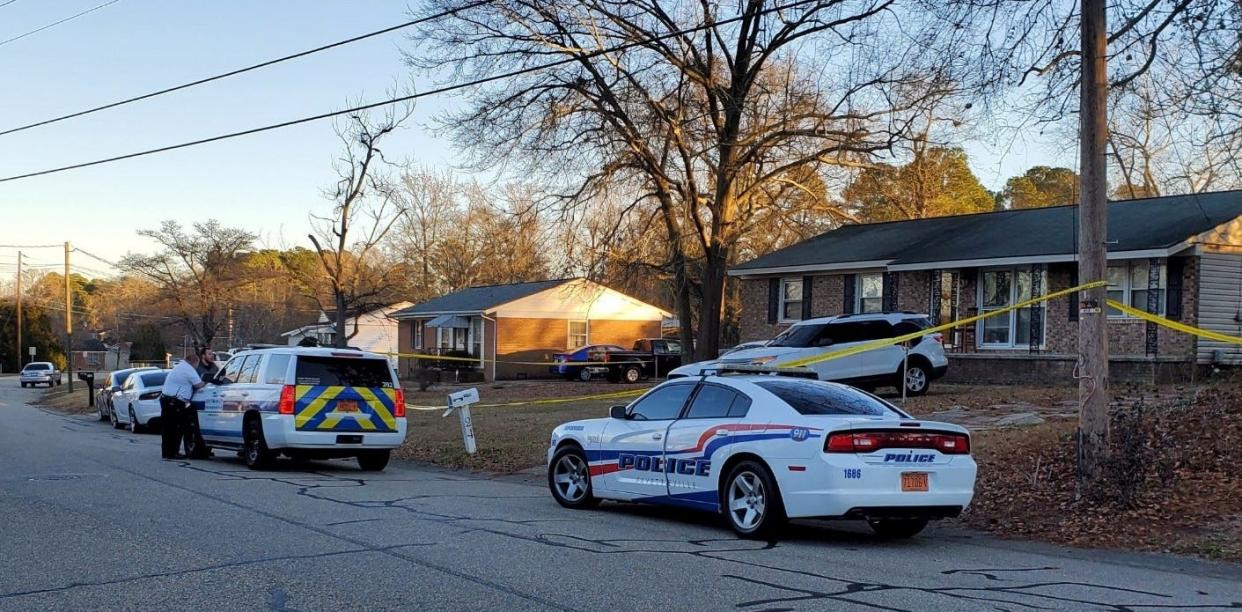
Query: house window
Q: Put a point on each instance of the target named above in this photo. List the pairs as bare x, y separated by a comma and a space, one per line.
1128, 284
999, 289
870, 292
418, 329
791, 299
578, 336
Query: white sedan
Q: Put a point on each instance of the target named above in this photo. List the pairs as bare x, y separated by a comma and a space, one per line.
763, 448
137, 406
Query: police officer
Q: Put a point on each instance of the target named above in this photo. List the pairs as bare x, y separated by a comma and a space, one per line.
195, 447
179, 387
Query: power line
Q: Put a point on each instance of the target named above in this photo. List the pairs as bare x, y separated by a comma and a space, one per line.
95, 257
55, 23
400, 99
238, 71
32, 246
7, 3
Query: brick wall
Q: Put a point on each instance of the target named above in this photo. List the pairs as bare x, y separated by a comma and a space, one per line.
1127, 337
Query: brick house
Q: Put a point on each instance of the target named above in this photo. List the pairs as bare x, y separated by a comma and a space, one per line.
523, 322
1178, 256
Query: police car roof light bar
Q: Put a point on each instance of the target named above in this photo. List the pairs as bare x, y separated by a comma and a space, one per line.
740, 368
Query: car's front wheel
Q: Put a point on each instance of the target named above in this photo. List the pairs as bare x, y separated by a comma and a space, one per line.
752, 502
897, 528
631, 374
569, 478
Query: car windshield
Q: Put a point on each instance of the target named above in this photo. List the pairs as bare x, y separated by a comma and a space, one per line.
814, 397
154, 379
39, 366
343, 372
798, 336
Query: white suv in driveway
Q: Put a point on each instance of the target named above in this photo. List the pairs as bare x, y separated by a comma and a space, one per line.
875, 368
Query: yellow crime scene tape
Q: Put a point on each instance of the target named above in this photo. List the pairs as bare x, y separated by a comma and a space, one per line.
871, 346
876, 344
1174, 325
527, 363
555, 400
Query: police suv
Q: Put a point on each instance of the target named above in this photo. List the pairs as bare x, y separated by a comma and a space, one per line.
304, 403
765, 447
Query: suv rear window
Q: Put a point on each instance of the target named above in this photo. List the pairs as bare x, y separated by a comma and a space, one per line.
154, 379
342, 372
817, 397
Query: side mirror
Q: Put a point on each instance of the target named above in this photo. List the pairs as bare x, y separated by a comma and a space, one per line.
617, 412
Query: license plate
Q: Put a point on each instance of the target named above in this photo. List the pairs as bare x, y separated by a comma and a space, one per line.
914, 481
347, 406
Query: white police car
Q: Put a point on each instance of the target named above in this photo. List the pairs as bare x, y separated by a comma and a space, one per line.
763, 448
309, 403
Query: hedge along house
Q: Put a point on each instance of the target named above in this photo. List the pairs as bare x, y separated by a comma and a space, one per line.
1179, 256
526, 322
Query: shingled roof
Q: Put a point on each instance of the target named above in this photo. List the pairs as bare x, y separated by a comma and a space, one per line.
479, 299
1133, 225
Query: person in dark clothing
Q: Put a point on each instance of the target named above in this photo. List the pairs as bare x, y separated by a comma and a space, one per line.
195, 446
179, 387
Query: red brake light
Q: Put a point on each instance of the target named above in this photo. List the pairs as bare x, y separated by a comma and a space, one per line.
398, 406
868, 441
287, 399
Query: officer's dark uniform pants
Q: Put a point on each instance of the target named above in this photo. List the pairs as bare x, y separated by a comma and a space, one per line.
172, 418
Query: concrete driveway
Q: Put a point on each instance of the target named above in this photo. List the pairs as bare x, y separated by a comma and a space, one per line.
93, 519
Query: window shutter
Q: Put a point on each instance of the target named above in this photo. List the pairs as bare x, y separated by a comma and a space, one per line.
807, 283
890, 292
1173, 305
774, 299
1073, 297
849, 284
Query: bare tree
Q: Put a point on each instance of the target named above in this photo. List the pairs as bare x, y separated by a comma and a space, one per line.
351, 280
195, 272
691, 110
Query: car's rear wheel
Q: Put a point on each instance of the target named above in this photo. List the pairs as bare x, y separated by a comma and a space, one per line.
116, 423
374, 461
255, 452
916, 378
631, 374
569, 478
134, 427
897, 528
584, 375
752, 503
101, 408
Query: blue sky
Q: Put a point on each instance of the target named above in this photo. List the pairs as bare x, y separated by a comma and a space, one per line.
267, 183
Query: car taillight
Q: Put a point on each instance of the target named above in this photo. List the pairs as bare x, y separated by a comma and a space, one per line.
938, 338
149, 395
868, 441
287, 399
398, 407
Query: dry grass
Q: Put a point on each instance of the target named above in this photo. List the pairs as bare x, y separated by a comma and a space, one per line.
60, 400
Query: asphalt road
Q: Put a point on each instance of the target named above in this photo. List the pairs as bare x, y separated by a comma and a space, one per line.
91, 518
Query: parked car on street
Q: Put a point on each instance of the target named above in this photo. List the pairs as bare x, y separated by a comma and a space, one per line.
764, 448
565, 361
307, 403
39, 373
875, 368
137, 406
109, 387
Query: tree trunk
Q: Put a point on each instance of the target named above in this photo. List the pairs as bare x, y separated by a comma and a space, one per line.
341, 339
714, 270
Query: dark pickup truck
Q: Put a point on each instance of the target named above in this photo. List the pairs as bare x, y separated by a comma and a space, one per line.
650, 358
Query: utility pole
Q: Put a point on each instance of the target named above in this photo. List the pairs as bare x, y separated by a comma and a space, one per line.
68, 319
20, 349
1093, 393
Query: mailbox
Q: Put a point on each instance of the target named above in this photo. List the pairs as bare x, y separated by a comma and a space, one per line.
89, 379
